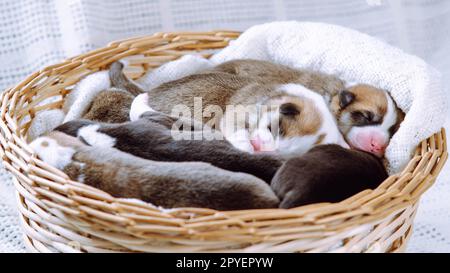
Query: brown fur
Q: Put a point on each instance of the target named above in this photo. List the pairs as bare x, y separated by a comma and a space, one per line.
327, 173
266, 72
191, 184
213, 88
111, 106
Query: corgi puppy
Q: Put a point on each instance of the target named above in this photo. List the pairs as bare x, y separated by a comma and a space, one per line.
166, 184
300, 117
283, 118
151, 138
366, 116
327, 173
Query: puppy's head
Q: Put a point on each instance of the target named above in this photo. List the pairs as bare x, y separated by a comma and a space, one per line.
367, 116
297, 120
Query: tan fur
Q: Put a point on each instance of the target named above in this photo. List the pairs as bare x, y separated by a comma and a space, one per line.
308, 122
213, 88
366, 98
111, 106
266, 72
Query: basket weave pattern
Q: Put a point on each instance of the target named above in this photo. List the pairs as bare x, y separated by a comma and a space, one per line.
60, 215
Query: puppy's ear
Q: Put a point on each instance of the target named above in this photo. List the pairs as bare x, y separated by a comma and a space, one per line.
289, 109
345, 98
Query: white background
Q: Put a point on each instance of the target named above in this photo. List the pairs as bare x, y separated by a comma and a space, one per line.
36, 33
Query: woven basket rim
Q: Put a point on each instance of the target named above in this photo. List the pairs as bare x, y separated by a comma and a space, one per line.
45, 191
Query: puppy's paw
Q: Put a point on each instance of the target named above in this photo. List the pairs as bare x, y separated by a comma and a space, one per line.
241, 140
53, 153
245, 146
91, 136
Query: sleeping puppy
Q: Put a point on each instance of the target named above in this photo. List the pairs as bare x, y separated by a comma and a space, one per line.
151, 138
366, 116
327, 173
170, 185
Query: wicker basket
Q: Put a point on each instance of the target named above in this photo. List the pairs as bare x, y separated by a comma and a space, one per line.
59, 215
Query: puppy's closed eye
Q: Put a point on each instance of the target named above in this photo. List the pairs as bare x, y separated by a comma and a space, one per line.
365, 117
289, 109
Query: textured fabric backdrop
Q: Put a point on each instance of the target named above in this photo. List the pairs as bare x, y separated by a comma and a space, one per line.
36, 33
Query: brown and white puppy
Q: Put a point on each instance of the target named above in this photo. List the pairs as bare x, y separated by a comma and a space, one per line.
285, 118
113, 105
166, 184
151, 138
327, 173
367, 116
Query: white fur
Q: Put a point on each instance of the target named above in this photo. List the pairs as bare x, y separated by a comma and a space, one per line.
94, 138
329, 126
140, 106
296, 145
241, 140
52, 153
391, 115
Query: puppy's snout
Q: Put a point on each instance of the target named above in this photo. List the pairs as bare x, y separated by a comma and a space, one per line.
373, 142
